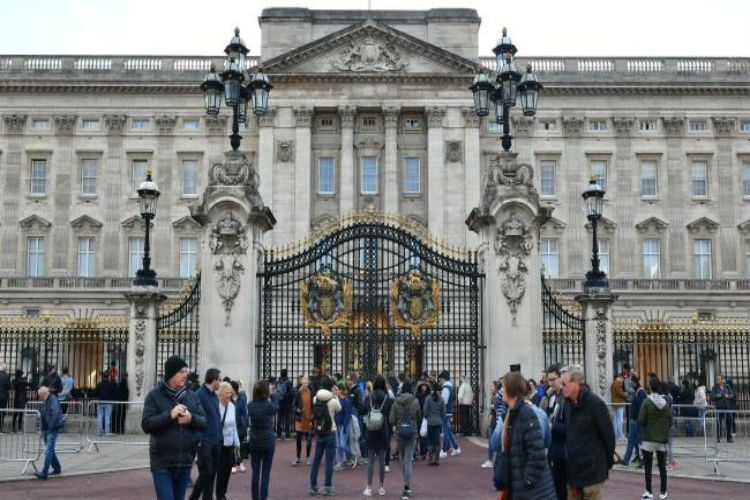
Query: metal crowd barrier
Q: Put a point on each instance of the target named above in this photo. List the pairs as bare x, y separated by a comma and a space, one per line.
719, 424
70, 438
124, 423
24, 446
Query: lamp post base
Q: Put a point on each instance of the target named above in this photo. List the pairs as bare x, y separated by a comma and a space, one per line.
145, 277
596, 279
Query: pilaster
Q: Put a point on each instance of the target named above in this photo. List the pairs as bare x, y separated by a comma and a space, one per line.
11, 189
346, 188
113, 194
472, 168
677, 197
64, 161
141, 363
166, 173
596, 307
724, 128
265, 155
626, 168
435, 172
573, 165
302, 168
390, 170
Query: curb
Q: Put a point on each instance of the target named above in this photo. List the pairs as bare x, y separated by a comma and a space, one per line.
30, 477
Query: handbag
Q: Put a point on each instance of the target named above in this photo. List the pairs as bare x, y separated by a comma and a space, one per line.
423, 428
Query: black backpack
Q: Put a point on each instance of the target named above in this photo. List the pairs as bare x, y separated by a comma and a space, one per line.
322, 423
406, 427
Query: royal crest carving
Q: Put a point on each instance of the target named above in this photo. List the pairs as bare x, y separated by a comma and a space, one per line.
228, 236
415, 302
370, 55
228, 270
504, 170
235, 171
285, 151
325, 301
513, 244
453, 151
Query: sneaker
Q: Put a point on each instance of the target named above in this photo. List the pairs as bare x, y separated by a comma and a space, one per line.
367, 492
456, 452
313, 491
387, 468
296, 461
242, 468
406, 494
443, 454
381, 491
663, 496
337, 467
487, 464
234, 470
647, 496
309, 461
328, 491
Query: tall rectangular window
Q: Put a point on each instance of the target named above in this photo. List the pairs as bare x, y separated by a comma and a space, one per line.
747, 259
651, 259
38, 177
700, 179
189, 177
35, 257
547, 178
702, 259
88, 177
604, 255
648, 178
86, 257
550, 257
140, 169
746, 179
599, 170
135, 255
368, 168
188, 257
412, 175
326, 174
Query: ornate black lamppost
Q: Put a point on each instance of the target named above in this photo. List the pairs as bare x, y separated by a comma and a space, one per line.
509, 84
593, 203
229, 83
148, 194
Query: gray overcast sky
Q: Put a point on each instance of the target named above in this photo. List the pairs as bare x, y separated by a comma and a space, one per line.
538, 27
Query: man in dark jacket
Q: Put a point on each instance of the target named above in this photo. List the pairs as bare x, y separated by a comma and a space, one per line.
590, 438
557, 454
211, 439
52, 380
634, 432
723, 397
51, 422
284, 398
4, 390
104, 392
173, 416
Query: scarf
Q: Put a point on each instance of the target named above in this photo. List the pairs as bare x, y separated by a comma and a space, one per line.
177, 395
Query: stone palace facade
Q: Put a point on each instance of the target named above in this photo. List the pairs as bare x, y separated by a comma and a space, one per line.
372, 108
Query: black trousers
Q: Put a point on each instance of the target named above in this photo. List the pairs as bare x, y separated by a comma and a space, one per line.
559, 476
464, 416
208, 461
224, 470
283, 423
648, 460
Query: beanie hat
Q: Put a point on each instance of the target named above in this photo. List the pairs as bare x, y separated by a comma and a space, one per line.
172, 366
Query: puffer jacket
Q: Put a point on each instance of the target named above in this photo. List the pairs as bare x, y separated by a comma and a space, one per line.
171, 444
530, 476
655, 419
406, 403
434, 410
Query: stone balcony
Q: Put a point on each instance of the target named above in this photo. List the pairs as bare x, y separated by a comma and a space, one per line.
117, 284
731, 286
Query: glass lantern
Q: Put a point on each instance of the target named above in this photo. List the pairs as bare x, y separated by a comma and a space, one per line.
481, 88
237, 51
148, 194
259, 87
509, 77
529, 87
233, 78
213, 91
593, 199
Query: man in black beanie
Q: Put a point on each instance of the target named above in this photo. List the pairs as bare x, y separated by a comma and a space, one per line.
173, 416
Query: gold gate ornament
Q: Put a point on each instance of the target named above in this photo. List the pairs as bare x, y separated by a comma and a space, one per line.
326, 301
415, 302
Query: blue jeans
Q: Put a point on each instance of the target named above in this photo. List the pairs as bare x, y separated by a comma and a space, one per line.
170, 483
634, 439
342, 445
433, 438
327, 445
619, 411
494, 441
260, 461
50, 457
449, 440
104, 418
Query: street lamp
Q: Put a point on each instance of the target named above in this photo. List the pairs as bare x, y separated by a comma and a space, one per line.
510, 83
148, 194
593, 204
236, 96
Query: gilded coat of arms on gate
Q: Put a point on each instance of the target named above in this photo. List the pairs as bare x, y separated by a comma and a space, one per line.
415, 302
326, 301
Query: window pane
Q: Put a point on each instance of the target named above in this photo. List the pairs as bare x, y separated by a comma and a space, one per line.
140, 168
599, 170
90, 124
189, 177
188, 257
412, 168
192, 124
88, 177
547, 182
325, 175
35, 257
746, 179
700, 178
369, 175
86, 254
648, 178
38, 177
604, 255
550, 261
651, 258
702, 259
747, 259
135, 255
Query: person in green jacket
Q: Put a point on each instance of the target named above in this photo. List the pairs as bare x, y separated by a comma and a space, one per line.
655, 418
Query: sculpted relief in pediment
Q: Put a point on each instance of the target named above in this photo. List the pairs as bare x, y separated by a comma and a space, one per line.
369, 55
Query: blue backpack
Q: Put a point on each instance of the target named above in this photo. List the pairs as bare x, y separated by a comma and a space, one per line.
406, 427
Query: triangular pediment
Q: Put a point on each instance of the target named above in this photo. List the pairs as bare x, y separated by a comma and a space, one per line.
186, 224
370, 48
652, 223
85, 222
135, 221
744, 226
34, 222
608, 224
703, 222
555, 224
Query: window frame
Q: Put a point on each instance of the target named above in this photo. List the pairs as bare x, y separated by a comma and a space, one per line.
649, 162
745, 178
47, 124
83, 164
604, 255
693, 163
98, 122
190, 260
648, 125
135, 120
90, 256
183, 177
197, 121
744, 126
419, 127
697, 121
406, 190
362, 190
651, 254
318, 177
597, 160
44, 162
134, 186
542, 166
546, 253
698, 258
136, 254
598, 125
40, 256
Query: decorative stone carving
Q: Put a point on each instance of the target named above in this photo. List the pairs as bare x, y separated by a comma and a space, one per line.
285, 151
228, 236
573, 125
654, 223
674, 126
303, 117
555, 224
115, 123
346, 116
370, 142
370, 55
134, 223
186, 225
513, 244
34, 223
703, 223
235, 171
65, 124
453, 151
623, 126
268, 119
140, 348
435, 117
165, 123
228, 270
724, 126
216, 124
470, 117
524, 125
608, 224
600, 317
505, 170
744, 227
390, 117
14, 124
85, 223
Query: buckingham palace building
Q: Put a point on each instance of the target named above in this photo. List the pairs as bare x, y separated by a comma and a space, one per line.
373, 109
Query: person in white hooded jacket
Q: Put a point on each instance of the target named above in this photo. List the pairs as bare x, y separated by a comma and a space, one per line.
325, 435
465, 400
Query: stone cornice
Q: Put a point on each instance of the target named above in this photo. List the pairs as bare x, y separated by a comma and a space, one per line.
724, 126
470, 117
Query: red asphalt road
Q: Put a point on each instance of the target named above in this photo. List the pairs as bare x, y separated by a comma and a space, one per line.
456, 478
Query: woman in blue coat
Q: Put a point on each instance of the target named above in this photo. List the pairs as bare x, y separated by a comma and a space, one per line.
343, 427
262, 410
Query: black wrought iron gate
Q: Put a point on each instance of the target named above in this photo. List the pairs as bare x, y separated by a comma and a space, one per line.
563, 332
372, 294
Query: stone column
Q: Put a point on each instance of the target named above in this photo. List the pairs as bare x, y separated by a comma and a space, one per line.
628, 255
727, 260
472, 167
64, 168
112, 175
573, 166
346, 191
11, 189
596, 306
141, 363
165, 172
265, 155
390, 171
302, 172
507, 221
435, 172
233, 220
677, 194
